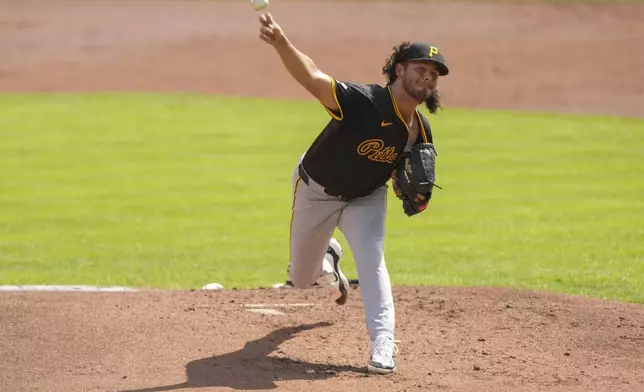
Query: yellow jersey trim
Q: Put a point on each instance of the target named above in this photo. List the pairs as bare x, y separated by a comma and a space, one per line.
335, 96
393, 100
421, 127
295, 189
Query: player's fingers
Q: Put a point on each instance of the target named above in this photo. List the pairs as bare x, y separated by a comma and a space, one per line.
269, 17
266, 39
394, 182
266, 31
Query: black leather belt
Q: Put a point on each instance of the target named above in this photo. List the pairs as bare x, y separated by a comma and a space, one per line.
305, 177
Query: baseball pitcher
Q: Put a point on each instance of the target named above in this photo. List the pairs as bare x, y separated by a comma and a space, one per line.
374, 134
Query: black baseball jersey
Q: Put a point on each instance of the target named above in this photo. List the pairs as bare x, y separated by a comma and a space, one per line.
355, 153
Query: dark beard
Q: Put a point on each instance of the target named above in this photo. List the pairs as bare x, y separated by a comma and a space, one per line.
416, 95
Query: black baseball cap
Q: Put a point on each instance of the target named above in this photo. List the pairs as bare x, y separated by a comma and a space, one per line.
423, 51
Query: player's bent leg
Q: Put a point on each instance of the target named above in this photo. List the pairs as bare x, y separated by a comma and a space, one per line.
332, 275
314, 217
308, 250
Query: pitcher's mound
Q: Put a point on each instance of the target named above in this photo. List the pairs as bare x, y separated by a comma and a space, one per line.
450, 339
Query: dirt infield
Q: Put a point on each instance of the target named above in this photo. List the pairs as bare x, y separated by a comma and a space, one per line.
451, 339
563, 58
568, 58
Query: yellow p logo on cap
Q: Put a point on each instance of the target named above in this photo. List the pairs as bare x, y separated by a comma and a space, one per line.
432, 51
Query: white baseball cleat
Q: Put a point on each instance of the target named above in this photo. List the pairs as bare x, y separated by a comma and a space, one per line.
382, 361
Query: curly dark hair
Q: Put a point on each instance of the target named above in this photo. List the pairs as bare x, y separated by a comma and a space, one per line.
400, 51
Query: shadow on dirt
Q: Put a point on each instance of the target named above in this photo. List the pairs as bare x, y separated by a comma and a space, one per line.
251, 368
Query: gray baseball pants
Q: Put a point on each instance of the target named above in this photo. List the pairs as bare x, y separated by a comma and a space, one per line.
315, 217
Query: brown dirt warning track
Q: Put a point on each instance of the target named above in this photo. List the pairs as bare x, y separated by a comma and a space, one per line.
546, 57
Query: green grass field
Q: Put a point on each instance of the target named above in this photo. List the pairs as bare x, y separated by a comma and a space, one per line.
179, 191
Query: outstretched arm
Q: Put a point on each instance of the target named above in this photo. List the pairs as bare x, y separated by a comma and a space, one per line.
299, 65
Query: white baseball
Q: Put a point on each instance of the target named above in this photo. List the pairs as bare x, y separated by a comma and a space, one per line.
259, 4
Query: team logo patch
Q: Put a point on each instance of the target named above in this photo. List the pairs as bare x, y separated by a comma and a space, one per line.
375, 150
433, 51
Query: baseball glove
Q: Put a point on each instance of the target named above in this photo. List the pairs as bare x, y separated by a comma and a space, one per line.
415, 174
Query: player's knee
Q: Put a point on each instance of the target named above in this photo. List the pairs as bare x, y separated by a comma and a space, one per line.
301, 278
301, 282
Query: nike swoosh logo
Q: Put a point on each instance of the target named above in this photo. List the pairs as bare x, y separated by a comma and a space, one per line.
385, 124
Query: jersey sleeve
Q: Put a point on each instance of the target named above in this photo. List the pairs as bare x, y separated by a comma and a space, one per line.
349, 97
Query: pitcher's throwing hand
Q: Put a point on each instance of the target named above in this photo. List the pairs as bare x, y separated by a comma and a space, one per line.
270, 32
